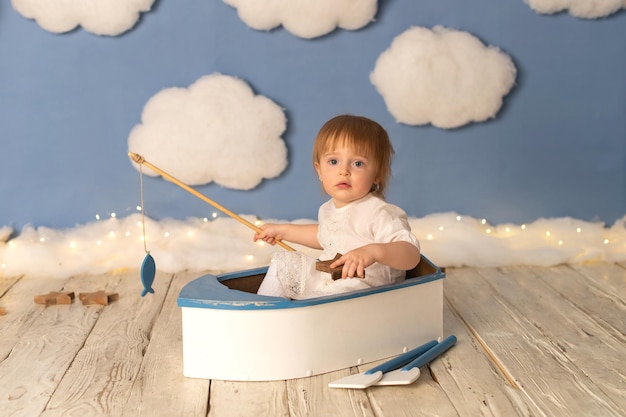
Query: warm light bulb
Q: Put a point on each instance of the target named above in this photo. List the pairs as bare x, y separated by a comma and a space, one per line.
166, 234
73, 245
138, 208
127, 234
484, 221
578, 230
440, 228
97, 217
429, 237
249, 258
113, 215
488, 231
111, 234
560, 242
99, 243
189, 233
606, 241
506, 229
214, 215
523, 227
42, 239
548, 233
458, 218
205, 220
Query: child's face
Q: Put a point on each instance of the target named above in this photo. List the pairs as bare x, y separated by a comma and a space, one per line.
345, 175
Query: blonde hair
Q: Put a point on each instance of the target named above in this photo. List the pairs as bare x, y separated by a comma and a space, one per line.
365, 137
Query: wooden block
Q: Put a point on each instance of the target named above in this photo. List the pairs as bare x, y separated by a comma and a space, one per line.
3, 311
54, 298
324, 266
97, 298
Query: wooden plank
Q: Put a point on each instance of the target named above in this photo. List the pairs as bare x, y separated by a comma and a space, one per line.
42, 355
160, 389
243, 399
312, 397
471, 381
580, 288
22, 312
611, 278
423, 398
553, 385
6, 283
101, 376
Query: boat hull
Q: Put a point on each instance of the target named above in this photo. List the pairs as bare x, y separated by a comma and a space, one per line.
235, 335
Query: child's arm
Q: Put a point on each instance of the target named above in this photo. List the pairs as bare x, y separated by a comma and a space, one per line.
303, 234
397, 255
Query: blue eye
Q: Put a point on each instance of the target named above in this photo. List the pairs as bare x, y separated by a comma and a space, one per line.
332, 161
358, 164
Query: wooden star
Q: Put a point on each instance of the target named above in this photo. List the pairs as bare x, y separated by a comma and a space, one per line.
97, 298
54, 298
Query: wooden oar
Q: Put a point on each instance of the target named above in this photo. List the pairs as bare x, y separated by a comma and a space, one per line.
140, 160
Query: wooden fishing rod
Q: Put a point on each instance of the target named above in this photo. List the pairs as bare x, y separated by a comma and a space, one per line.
140, 160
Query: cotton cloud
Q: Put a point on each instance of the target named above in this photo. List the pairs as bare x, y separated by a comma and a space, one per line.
305, 18
442, 76
101, 17
586, 9
215, 130
223, 244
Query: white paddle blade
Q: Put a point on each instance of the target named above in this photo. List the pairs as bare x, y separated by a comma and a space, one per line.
357, 381
400, 377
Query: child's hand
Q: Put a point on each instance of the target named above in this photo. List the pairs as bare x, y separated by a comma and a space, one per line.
270, 233
355, 262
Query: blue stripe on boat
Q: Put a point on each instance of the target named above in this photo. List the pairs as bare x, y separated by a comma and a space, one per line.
208, 292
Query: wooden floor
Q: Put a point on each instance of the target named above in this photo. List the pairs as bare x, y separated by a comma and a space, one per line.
531, 342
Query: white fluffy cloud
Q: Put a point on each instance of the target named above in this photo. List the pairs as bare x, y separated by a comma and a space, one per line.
305, 18
101, 17
586, 9
223, 244
442, 76
215, 130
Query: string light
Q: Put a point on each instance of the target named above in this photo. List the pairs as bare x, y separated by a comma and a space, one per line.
214, 215
113, 215
97, 217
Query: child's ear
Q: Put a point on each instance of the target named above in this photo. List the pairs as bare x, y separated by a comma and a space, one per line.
317, 168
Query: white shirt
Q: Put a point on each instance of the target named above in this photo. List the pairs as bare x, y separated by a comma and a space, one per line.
367, 220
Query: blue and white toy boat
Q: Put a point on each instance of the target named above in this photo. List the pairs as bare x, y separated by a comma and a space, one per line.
231, 333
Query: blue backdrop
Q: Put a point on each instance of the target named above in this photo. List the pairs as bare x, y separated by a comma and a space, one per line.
557, 147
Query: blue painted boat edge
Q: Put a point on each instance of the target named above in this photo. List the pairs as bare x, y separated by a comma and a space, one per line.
208, 291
